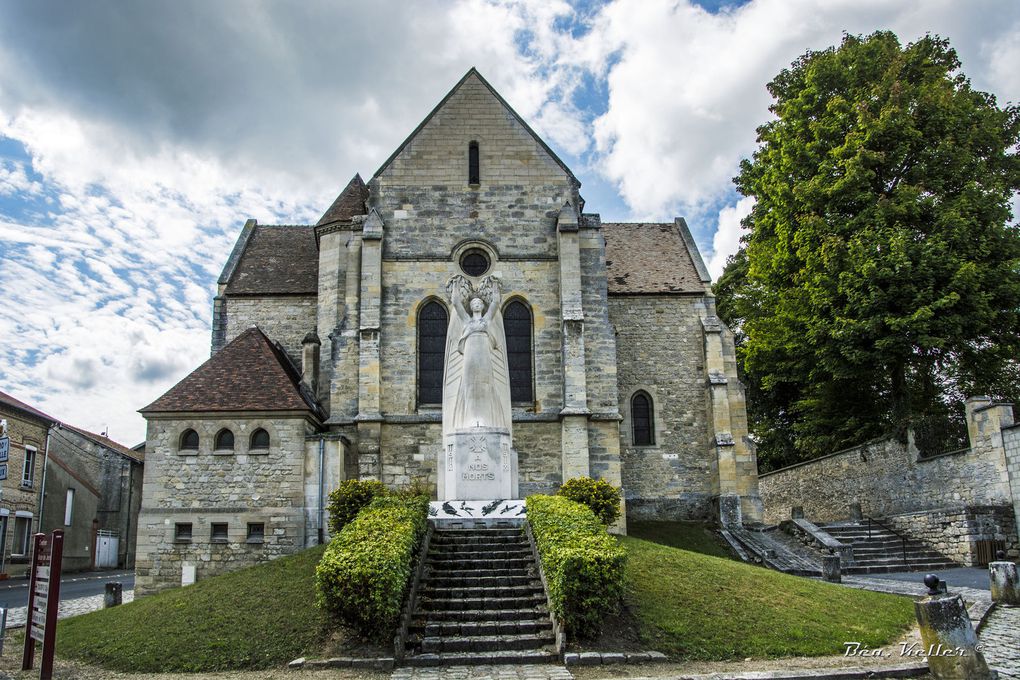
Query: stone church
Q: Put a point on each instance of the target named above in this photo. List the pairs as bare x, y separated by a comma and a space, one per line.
328, 341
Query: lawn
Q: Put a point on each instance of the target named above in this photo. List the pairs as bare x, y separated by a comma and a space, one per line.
694, 536
260, 617
694, 606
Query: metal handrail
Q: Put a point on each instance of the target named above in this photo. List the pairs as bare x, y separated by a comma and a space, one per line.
903, 540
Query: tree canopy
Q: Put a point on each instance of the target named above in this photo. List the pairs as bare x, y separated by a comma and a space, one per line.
877, 284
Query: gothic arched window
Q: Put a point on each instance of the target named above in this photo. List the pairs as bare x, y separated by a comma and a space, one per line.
474, 175
259, 439
517, 324
642, 419
432, 321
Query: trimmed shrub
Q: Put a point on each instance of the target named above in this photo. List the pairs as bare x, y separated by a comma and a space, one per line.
347, 500
582, 563
602, 497
364, 574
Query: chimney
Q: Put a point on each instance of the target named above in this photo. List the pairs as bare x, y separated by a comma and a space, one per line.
310, 361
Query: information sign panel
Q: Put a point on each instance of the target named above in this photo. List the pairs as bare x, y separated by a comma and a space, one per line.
43, 599
5, 448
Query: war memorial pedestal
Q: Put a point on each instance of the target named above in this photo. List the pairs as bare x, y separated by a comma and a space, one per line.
479, 464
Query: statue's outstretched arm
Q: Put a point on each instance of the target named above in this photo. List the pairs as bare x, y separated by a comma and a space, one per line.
494, 299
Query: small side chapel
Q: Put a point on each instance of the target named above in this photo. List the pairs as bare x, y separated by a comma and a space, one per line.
330, 352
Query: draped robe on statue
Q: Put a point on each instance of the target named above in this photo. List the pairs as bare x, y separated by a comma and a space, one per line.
476, 381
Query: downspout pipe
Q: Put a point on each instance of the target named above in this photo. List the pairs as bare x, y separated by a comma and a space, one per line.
322, 482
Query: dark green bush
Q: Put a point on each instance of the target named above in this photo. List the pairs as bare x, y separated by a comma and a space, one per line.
365, 572
582, 563
347, 500
602, 497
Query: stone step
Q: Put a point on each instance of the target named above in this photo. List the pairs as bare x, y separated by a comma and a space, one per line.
476, 581
484, 555
463, 604
468, 533
516, 657
484, 643
529, 572
458, 563
432, 604
482, 592
888, 569
445, 539
482, 627
528, 613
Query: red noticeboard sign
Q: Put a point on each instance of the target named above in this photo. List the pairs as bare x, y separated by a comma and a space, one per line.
43, 600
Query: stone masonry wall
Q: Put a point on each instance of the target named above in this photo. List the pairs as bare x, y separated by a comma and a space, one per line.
284, 319
1011, 447
24, 431
660, 350
886, 478
237, 487
955, 532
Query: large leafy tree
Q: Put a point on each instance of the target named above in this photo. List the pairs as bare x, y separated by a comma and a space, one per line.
878, 282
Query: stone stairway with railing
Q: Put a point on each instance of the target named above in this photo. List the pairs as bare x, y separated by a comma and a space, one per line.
879, 550
480, 601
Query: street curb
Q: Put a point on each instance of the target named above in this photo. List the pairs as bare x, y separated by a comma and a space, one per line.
897, 671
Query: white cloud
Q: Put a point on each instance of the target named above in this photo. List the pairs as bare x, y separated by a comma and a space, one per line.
726, 240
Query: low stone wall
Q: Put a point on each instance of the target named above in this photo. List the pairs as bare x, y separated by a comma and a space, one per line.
885, 477
950, 501
955, 532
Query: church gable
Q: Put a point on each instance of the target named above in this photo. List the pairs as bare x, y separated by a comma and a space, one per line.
508, 150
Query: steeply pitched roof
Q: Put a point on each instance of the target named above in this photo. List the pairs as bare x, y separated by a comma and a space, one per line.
277, 260
349, 203
472, 72
652, 258
106, 442
250, 374
10, 401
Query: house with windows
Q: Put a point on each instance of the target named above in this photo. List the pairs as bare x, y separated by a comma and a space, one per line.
20, 482
93, 493
328, 343
58, 476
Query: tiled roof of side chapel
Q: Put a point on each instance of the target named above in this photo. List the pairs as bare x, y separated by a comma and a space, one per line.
251, 373
649, 258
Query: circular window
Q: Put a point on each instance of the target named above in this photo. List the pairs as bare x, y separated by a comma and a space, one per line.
474, 263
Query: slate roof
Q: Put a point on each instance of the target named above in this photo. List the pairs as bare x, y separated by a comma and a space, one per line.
644, 258
10, 401
250, 374
107, 442
349, 203
277, 260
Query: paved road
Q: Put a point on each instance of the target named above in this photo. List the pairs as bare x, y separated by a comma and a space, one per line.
14, 592
964, 577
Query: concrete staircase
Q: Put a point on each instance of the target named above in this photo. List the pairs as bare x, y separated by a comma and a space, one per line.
881, 551
480, 601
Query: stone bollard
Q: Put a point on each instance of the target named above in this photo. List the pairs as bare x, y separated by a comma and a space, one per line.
113, 595
1004, 581
830, 569
948, 637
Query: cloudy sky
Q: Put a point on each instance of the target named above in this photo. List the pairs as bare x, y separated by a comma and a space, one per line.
136, 138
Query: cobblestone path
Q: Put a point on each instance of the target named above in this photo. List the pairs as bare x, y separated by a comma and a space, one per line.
80, 605
1000, 641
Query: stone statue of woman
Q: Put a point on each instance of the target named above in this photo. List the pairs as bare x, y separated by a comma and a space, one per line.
476, 385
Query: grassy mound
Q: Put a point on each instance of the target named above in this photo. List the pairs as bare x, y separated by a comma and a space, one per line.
706, 608
254, 618
694, 536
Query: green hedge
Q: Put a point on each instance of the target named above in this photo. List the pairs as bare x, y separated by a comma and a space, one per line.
583, 564
364, 573
347, 500
602, 497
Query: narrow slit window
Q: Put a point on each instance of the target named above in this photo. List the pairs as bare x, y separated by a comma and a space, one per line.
642, 419
474, 175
